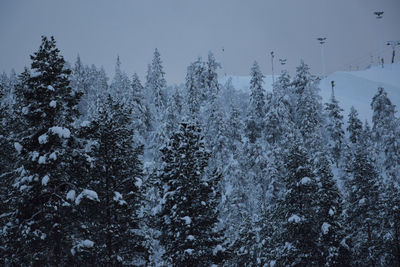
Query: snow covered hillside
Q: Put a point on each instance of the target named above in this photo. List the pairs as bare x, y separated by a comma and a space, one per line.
355, 88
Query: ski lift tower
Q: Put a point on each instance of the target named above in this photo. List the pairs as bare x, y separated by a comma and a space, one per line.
393, 44
322, 41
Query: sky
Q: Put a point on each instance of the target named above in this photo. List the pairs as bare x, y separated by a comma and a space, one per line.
183, 30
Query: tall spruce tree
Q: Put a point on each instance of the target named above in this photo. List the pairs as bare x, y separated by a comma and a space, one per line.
256, 111
354, 127
308, 106
386, 133
115, 179
295, 241
49, 107
278, 119
189, 214
156, 84
330, 216
335, 127
383, 114
364, 202
141, 112
194, 86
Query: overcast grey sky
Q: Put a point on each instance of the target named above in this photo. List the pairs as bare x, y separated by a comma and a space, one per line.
183, 30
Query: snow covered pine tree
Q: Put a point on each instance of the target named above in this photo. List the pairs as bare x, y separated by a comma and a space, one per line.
189, 212
41, 231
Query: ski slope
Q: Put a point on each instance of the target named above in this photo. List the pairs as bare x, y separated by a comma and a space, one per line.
357, 88
352, 88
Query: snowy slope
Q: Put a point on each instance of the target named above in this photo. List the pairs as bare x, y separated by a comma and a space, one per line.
357, 88
354, 88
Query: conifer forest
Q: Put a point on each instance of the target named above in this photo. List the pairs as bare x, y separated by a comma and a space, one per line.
123, 167
124, 172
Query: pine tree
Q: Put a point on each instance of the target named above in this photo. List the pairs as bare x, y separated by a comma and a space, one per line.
256, 111
363, 184
235, 129
121, 86
194, 86
156, 83
354, 127
141, 112
386, 134
383, 113
335, 127
296, 241
210, 76
116, 176
80, 83
308, 105
189, 211
278, 119
330, 215
49, 107
7, 160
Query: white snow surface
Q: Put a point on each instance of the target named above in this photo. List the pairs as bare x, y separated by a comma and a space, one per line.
53, 104
305, 180
325, 228
71, 195
187, 220
331, 212
25, 110
50, 88
18, 147
43, 139
53, 156
45, 180
86, 193
138, 182
42, 160
118, 198
82, 244
357, 88
86, 243
60, 131
189, 251
294, 218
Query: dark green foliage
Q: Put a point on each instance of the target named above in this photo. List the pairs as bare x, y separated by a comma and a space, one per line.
115, 171
189, 212
40, 225
335, 128
334, 251
364, 217
256, 113
354, 127
296, 241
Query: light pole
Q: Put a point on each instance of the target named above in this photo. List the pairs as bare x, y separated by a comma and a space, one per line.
333, 86
272, 63
223, 59
379, 16
322, 41
393, 44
